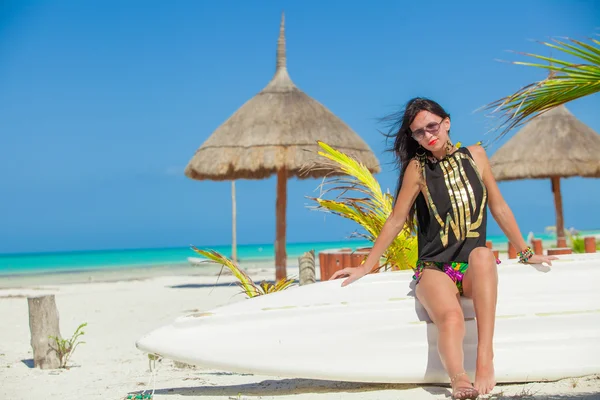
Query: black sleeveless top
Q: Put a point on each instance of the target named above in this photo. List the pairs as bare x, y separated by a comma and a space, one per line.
451, 209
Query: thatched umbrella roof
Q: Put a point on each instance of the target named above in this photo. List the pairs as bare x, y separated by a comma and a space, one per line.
276, 131
552, 145
278, 128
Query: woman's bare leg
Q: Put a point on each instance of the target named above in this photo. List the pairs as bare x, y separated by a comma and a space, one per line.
440, 297
481, 284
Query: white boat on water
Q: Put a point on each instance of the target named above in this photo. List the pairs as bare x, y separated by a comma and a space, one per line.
547, 328
196, 260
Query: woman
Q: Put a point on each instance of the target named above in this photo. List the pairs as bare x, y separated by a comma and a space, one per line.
448, 190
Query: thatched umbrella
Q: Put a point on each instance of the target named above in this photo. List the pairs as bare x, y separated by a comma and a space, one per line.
276, 131
552, 145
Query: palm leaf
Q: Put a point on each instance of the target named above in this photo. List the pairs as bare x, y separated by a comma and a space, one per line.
369, 212
249, 288
244, 281
282, 284
566, 81
361, 174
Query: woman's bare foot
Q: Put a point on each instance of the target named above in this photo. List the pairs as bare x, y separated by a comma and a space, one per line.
462, 388
484, 373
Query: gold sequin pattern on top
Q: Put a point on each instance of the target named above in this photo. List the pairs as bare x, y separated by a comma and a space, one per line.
462, 200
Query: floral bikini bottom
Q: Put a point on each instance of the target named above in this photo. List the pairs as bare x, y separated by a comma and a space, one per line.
455, 270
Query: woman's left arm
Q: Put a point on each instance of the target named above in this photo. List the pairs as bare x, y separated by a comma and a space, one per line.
500, 209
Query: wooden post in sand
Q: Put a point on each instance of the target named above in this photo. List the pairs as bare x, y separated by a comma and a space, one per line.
306, 263
590, 244
512, 252
43, 322
538, 247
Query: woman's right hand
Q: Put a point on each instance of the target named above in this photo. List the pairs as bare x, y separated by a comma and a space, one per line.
352, 274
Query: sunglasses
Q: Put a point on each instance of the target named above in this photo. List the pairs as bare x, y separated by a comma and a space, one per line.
432, 127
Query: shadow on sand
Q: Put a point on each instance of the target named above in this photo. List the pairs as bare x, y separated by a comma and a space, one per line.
287, 387
201, 285
283, 387
217, 284
579, 396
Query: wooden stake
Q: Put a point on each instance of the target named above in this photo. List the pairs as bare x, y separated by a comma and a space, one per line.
590, 244
306, 263
43, 322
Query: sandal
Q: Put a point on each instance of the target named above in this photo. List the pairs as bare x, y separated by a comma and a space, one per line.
463, 392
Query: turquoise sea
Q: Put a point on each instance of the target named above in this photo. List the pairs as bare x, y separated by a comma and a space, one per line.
84, 261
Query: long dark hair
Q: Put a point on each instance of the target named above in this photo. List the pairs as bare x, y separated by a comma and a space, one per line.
405, 147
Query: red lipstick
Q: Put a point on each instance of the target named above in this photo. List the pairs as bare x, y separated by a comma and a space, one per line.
432, 142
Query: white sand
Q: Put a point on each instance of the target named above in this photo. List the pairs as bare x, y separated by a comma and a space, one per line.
108, 366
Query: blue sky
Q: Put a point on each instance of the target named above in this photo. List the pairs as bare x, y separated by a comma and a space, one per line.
103, 103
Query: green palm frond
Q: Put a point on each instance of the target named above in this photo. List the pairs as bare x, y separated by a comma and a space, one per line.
566, 81
362, 179
268, 287
249, 288
369, 212
244, 281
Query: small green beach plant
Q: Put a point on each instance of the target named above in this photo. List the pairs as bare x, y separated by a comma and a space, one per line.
577, 242
248, 286
359, 198
66, 347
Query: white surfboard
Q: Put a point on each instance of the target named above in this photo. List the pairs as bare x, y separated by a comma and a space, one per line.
374, 330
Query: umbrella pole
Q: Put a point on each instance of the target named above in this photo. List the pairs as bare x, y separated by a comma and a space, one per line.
560, 224
233, 224
280, 255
